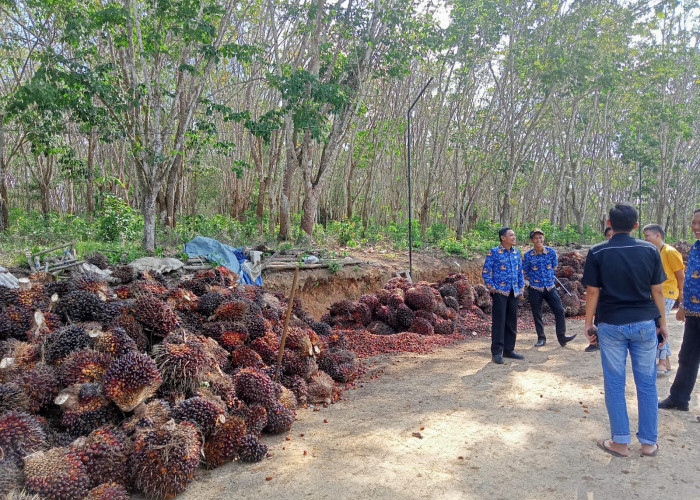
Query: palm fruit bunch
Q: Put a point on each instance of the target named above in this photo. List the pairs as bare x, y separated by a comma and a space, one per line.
125, 274
182, 361
267, 347
422, 326
7, 296
85, 408
294, 364
59, 344
13, 398
133, 329
404, 316
58, 473
34, 298
254, 387
80, 305
342, 365
91, 282
104, 453
201, 412
98, 260
131, 379
279, 418
86, 365
108, 491
182, 300
41, 385
163, 460
255, 417
230, 335
146, 416
399, 283
482, 298
255, 324
114, 342
572, 304
16, 322
21, 434
420, 297
320, 388
209, 302
156, 316
297, 385
251, 450
224, 443
11, 478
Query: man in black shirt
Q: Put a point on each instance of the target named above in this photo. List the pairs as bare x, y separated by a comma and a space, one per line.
623, 278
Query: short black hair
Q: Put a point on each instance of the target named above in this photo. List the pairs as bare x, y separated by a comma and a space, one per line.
607, 230
502, 232
656, 228
697, 210
623, 217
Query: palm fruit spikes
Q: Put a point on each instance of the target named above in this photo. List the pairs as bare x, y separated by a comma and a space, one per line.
251, 449
20, 435
164, 460
224, 444
131, 379
108, 491
254, 387
203, 413
58, 473
156, 316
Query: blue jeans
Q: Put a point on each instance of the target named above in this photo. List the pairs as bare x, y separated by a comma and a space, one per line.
640, 339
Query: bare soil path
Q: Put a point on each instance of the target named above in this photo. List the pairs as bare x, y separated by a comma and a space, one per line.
454, 425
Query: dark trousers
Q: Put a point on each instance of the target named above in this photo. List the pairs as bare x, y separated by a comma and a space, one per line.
552, 298
504, 323
688, 361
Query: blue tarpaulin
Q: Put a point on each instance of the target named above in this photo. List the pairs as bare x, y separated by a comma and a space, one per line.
222, 254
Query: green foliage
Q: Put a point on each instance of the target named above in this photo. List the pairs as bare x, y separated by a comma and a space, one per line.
334, 266
118, 221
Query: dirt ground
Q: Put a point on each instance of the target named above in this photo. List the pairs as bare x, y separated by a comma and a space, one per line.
452, 424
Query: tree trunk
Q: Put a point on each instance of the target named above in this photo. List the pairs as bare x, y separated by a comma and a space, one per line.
92, 141
309, 209
171, 192
289, 169
4, 201
149, 196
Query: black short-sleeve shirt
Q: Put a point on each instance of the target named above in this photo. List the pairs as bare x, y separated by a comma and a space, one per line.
624, 268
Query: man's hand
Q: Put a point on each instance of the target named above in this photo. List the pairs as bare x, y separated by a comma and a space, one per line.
680, 314
663, 330
591, 333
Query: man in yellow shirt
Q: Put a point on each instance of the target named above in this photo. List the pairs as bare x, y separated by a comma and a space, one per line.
672, 287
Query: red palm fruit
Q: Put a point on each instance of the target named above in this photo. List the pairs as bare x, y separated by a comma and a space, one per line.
245, 357
232, 310
183, 300
131, 379
420, 297
155, 315
255, 417
59, 344
279, 419
251, 450
254, 387
422, 326
20, 435
82, 366
41, 385
133, 329
85, 408
164, 460
320, 387
223, 445
108, 491
203, 413
114, 342
58, 473
182, 364
105, 454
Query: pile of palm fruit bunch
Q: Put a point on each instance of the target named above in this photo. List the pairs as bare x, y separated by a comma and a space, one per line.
408, 317
109, 390
571, 290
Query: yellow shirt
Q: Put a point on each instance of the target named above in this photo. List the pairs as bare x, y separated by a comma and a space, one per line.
672, 262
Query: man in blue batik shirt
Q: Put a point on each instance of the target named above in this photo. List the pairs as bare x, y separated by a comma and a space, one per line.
538, 267
689, 355
503, 275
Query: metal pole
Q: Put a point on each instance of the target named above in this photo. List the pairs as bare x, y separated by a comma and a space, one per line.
410, 204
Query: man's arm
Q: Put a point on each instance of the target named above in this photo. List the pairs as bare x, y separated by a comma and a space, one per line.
486, 271
657, 293
680, 278
592, 294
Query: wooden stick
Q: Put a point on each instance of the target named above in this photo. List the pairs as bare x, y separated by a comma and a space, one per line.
286, 325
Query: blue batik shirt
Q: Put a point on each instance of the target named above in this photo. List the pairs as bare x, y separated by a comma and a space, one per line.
503, 270
538, 268
691, 285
